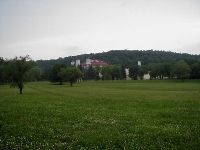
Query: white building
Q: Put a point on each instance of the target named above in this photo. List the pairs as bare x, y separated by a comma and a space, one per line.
72, 63
78, 62
139, 63
146, 76
127, 74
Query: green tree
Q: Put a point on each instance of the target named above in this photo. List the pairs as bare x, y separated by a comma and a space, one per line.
72, 74
181, 70
107, 73
91, 73
116, 72
2, 71
34, 74
195, 71
18, 68
54, 77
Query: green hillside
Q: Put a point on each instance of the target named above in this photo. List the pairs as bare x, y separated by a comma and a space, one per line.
124, 57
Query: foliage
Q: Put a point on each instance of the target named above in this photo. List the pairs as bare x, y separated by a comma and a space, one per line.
195, 71
18, 68
158, 62
90, 73
54, 76
2, 71
181, 70
123, 57
34, 74
71, 74
107, 73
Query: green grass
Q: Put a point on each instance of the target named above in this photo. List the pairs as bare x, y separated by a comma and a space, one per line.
101, 115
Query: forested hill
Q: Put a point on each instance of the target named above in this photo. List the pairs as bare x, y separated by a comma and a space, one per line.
124, 57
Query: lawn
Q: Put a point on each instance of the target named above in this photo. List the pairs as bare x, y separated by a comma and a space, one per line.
101, 115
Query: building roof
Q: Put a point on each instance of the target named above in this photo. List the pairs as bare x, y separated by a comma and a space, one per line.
95, 62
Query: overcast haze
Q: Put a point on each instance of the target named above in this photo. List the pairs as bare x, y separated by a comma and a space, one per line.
48, 29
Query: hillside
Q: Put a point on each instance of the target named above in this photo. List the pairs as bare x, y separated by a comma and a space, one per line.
123, 57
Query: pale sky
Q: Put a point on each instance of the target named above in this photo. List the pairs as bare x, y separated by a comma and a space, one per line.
47, 29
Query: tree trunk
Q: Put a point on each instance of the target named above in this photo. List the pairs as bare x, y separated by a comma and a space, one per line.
71, 84
20, 90
20, 86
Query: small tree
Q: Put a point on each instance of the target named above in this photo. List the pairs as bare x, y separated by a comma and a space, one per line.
106, 71
116, 72
73, 74
18, 67
181, 70
70, 74
34, 74
54, 76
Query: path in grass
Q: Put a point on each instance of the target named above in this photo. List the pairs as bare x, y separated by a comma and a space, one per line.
101, 115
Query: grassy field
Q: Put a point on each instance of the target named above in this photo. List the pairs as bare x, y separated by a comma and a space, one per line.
101, 115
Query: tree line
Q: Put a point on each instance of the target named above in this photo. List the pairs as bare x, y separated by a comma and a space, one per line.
123, 57
18, 70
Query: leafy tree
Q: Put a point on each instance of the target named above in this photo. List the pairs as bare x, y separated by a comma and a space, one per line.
2, 71
134, 72
72, 74
141, 71
34, 74
90, 73
18, 68
116, 72
54, 77
167, 67
195, 71
181, 70
106, 72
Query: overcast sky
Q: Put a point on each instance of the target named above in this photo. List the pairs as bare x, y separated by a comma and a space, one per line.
47, 29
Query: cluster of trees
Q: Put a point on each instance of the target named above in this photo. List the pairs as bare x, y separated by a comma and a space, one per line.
180, 70
20, 69
62, 73
174, 70
123, 57
112, 72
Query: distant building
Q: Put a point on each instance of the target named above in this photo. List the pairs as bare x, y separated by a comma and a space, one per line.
127, 74
94, 63
72, 63
78, 62
147, 76
139, 63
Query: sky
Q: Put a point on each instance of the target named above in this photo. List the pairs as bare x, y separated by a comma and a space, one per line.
48, 29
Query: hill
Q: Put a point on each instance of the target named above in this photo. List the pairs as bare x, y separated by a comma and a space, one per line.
123, 57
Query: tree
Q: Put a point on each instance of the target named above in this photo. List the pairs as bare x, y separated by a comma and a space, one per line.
2, 71
195, 71
72, 74
181, 70
134, 71
116, 72
90, 73
141, 71
18, 67
106, 72
54, 77
34, 74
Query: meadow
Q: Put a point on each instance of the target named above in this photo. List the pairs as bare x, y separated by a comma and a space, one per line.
101, 115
